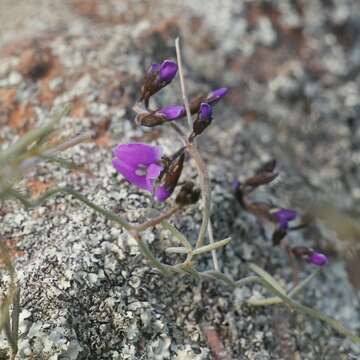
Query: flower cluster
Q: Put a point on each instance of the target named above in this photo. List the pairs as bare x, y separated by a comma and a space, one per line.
144, 165
280, 217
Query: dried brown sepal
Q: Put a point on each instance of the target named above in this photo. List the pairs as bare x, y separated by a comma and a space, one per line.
301, 251
189, 194
267, 167
171, 174
277, 236
196, 102
150, 87
198, 127
262, 210
260, 179
150, 119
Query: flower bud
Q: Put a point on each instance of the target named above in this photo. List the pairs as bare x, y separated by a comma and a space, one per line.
318, 259
172, 112
150, 119
278, 235
203, 119
216, 95
167, 72
261, 179
157, 77
311, 256
283, 216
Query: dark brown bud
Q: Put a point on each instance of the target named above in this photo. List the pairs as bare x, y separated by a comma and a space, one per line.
301, 251
261, 179
262, 210
189, 194
171, 174
150, 119
267, 167
278, 235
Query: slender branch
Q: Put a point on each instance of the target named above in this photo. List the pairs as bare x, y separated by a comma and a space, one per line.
182, 84
32, 136
176, 233
158, 219
148, 253
206, 194
276, 300
200, 165
211, 247
29, 163
29, 204
212, 241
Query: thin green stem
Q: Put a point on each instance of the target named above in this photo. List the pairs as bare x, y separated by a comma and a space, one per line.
108, 214
177, 234
206, 194
148, 253
158, 219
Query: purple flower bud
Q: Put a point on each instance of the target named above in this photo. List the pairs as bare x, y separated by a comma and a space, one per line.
216, 95
205, 112
318, 259
167, 71
283, 216
235, 184
203, 120
156, 78
172, 112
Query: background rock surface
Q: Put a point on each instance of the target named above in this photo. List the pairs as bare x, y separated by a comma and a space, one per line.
293, 70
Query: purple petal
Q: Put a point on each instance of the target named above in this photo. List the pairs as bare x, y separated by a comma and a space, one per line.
205, 112
129, 173
172, 112
161, 193
137, 154
153, 171
318, 259
284, 215
167, 71
216, 95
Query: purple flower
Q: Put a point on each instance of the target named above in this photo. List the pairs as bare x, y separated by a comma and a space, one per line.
318, 259
205, 112
140, 164
216, 95
157, 76
172, 112
283, 216
167, 71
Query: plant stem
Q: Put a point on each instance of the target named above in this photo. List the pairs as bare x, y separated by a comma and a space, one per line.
205, 189
108, 214
175, 232
200, 165
157, 220
182, 84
